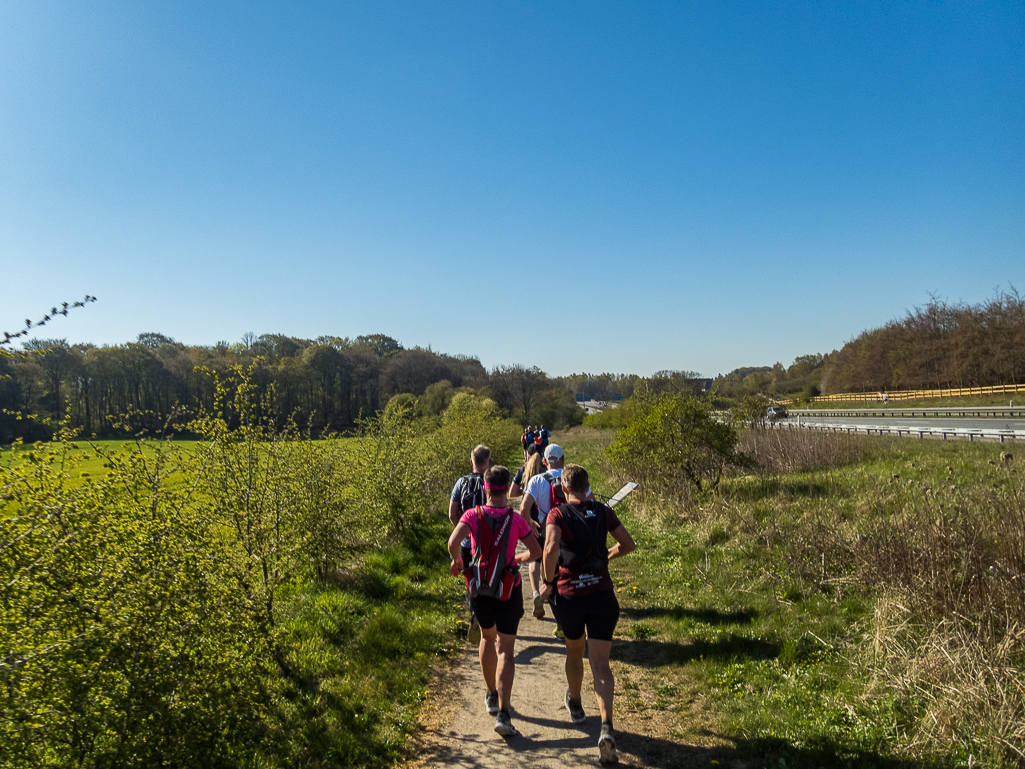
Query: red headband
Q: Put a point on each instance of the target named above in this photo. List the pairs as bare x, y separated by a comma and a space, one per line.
495, 487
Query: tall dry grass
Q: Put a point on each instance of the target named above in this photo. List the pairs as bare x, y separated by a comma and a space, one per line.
943, 562
967, 688
949, 627
792, 451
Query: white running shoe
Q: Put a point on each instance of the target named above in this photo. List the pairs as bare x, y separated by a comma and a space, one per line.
503, 725
491, 702
607, 746
576, 709
539, 606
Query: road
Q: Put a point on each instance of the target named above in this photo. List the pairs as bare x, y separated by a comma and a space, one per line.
1001, 427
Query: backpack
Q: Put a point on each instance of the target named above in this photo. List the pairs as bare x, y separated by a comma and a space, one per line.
557, 496
587, 553
473, 492
489, 575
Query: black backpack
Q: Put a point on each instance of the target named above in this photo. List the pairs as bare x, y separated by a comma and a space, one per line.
472, 493
490, 576
587, 553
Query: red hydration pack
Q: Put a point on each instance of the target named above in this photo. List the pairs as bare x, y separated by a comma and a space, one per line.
490, 576
557, 496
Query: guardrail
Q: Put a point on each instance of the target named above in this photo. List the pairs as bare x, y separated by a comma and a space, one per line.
989, 412
909, 395
945, 433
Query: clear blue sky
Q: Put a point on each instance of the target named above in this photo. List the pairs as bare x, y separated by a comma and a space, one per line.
685, 185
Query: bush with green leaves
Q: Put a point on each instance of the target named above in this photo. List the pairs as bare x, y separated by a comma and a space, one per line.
122, 644
676, 441
152, 615
403, 465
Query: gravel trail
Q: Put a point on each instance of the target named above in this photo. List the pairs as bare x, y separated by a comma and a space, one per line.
458, 732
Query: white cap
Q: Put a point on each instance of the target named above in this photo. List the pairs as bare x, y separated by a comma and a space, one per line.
554, 451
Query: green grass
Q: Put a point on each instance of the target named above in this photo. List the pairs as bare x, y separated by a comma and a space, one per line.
362, 643
366, 645
749, 613
84, 458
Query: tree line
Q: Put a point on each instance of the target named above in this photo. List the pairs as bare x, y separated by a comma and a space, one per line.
802, 377
326, 385
330, 383
940, 345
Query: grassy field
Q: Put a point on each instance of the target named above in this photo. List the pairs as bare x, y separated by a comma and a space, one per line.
855, 602
285, 606
85, 459
860, 606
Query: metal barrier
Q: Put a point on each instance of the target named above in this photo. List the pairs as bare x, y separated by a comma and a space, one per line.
908, 395
954, 433
988, 412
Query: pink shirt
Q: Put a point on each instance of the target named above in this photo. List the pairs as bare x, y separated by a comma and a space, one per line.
519, 529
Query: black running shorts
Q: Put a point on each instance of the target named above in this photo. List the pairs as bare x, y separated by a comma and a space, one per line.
505, 614
598, 613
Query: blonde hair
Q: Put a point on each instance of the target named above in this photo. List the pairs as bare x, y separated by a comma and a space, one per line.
534, 466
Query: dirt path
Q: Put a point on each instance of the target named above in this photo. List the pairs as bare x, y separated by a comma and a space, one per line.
458, 732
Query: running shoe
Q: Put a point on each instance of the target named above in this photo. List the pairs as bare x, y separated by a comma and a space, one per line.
474, 635
576, 709
607, 746
503, 725
539, 606
558, 632
491, 701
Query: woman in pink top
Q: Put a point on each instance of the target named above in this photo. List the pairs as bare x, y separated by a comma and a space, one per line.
499, 620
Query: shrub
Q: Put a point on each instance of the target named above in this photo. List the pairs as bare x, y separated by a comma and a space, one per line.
675, 440
122, 642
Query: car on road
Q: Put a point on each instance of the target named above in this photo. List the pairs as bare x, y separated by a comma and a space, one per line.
776, 413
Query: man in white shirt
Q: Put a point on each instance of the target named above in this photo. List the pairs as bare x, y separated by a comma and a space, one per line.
537, 501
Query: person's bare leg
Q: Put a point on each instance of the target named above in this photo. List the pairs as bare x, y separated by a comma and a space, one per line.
604, 684
488, 656
575, 666
506, 668
535, 576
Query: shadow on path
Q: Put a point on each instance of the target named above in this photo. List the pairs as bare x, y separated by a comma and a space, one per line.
641, 752
731, 647
706, 616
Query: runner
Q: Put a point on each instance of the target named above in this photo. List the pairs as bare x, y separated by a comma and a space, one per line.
532, 465
468, 492
576, 572
537, 500
498, 619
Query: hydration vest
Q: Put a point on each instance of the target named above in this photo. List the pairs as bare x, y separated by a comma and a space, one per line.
472, 493
587, 553
490, 575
